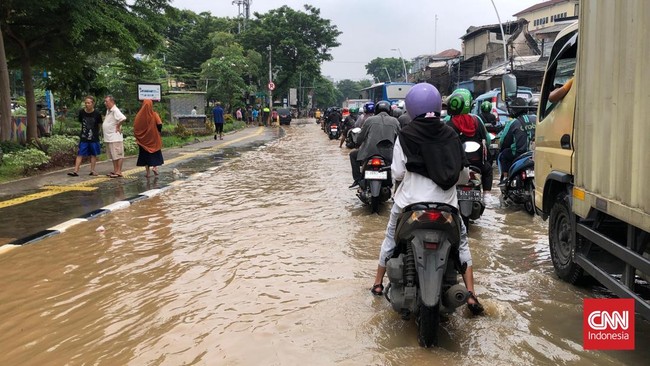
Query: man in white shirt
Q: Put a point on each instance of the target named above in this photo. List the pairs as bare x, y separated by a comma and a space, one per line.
428, 159
112, 130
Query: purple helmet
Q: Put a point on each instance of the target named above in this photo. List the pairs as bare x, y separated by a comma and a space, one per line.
423, 98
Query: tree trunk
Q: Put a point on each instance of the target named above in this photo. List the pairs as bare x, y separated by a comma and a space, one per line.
30, 98
5, 94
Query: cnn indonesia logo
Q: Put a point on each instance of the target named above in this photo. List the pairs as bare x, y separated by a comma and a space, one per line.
608, 324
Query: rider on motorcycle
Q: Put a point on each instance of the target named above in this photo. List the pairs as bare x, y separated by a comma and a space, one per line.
486, 114
516, 136
368, 111
377, 137
471, 128
428, 158
348, 123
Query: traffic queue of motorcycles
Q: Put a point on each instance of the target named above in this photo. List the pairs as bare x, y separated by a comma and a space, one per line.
423, 271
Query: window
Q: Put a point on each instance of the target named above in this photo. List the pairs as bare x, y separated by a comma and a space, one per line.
560, 70
535, 22
546, 20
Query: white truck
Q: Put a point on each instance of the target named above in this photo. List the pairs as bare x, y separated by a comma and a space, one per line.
591, 149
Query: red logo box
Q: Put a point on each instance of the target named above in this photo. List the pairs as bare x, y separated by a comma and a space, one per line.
608, 324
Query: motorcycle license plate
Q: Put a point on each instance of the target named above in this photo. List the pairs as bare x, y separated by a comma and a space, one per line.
371, 174
494, 146
530, 173
471, 195
334, 129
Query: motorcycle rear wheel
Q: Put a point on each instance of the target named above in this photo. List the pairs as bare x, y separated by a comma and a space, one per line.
428, 324
529, 205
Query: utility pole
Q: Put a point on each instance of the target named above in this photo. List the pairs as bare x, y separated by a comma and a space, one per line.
435, 36
243, 11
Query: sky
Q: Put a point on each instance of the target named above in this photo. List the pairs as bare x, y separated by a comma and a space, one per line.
371, 28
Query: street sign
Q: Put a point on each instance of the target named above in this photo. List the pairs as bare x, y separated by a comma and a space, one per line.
271, 85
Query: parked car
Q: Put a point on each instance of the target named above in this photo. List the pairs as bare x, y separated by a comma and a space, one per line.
498, 106
285, 116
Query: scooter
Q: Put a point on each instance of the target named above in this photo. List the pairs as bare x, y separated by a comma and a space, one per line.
519, 187
423, 272
375, 187
333, 131
470, 194
351, 138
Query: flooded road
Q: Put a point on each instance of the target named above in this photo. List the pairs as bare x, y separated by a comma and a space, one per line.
267, 260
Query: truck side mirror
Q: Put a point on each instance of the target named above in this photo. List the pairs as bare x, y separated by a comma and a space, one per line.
508, 87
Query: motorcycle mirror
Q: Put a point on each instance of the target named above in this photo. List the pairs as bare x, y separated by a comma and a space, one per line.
471, 146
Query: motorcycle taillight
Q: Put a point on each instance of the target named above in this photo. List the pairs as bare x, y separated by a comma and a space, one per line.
431, 216
430, 245
375, 162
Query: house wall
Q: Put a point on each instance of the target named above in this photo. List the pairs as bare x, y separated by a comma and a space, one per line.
476, 45
544, 17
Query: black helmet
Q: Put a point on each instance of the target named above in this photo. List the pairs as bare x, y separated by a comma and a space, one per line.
382, 106
517, 107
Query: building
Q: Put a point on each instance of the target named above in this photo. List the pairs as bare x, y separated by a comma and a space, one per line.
483, 48
547, 13
437, 70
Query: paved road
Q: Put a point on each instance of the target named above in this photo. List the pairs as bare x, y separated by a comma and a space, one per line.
33, 204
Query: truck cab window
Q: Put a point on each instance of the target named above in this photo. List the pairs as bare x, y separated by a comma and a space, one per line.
560, 71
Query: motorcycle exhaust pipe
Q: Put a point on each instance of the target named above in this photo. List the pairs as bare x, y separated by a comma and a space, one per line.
456, 296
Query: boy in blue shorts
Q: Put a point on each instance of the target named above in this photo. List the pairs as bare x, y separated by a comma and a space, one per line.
90, 120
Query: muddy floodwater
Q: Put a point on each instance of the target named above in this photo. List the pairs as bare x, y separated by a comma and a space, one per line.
267, 260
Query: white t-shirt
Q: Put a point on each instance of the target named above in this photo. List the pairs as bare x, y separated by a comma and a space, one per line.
113, 117
417, 188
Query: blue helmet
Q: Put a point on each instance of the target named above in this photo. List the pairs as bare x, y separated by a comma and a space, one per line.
369, 107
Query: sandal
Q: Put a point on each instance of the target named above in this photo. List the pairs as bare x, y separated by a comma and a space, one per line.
476, 308
93, 173
73, 174
377, 289
115, 175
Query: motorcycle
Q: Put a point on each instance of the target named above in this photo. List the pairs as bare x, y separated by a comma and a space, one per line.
495, 136
351, 138
333, 131
375, 187
423, 271
470, 195
519, 187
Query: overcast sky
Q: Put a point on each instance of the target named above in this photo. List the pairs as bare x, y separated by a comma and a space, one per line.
371, 28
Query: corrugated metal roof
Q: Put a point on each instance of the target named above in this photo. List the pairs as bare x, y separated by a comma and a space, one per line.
435, 64
500, 69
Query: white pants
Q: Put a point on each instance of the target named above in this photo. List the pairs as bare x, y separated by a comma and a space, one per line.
388, 245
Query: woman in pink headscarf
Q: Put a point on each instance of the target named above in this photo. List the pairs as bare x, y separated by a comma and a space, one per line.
146, 128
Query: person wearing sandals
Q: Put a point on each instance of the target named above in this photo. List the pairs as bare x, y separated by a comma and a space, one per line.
112, 129
428, 159
147, 126
90, 120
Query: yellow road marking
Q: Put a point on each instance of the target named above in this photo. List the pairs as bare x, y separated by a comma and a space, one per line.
89, 185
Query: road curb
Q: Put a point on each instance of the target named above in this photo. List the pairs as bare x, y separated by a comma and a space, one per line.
119, 205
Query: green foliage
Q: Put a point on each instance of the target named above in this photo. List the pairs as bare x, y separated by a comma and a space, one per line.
9, 147
300, 41
59, 144
26, 161
181, 131
378, 67
130, 146
326, 94
350, 89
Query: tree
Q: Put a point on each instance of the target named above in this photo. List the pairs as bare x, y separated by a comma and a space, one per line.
350, 89
5, 97
300, 42
60, 36
190, 46
230, 70
325, 93
378, 67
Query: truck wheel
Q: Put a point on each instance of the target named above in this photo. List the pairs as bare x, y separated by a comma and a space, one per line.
428, 324
560, 238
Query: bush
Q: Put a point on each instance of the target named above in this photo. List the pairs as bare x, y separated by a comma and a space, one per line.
130, 146
61, 149
26, 160
9, 147
181, 131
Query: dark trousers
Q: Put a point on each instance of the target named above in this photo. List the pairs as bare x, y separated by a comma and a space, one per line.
505, 161
487, 176
355, 165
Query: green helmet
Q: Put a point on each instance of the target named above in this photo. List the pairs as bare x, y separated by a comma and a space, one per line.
467, 95
486, 106
455, 104
354, 110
